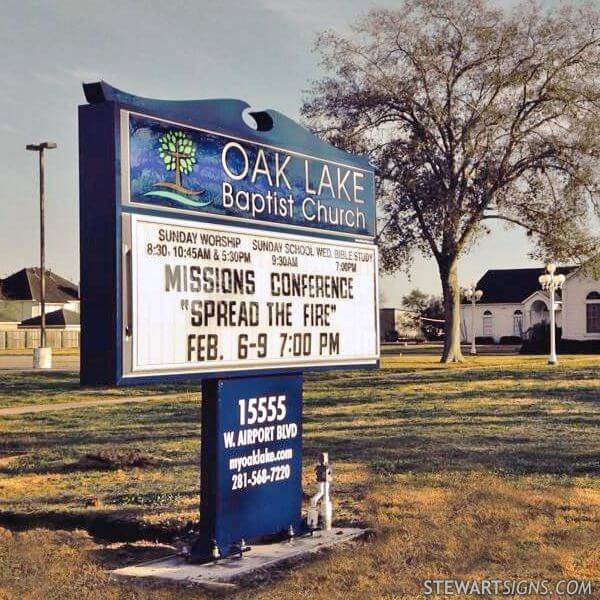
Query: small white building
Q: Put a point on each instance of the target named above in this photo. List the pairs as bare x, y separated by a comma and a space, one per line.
513, 303
20, 294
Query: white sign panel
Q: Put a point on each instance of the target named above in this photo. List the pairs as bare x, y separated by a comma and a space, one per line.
201, 297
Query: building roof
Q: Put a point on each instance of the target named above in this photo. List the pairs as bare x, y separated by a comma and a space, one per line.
512, 285
56, 318
26, 283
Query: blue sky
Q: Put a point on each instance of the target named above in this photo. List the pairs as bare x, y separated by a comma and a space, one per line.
256, 50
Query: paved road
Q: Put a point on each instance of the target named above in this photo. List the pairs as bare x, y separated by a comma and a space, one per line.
70, 362
23, 362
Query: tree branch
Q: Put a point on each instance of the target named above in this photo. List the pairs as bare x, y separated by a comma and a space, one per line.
515, 222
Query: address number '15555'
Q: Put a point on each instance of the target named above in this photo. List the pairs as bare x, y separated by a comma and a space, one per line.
264, 409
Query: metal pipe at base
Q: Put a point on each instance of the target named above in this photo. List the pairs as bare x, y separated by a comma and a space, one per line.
326, 509
312, 518
324, 477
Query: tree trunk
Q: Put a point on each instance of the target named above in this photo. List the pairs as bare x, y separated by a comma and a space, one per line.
177, 172
449, 276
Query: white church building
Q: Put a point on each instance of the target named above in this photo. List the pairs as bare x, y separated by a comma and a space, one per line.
513, 302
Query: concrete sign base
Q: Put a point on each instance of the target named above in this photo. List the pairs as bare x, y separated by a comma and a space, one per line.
228, 573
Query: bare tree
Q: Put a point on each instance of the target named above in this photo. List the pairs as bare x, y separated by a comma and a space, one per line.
469, 113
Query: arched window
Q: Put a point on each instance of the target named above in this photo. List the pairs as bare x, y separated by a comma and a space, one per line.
518, 323
592, 312
488, 328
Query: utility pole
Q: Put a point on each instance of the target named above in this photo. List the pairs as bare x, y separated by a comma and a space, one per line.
43, 358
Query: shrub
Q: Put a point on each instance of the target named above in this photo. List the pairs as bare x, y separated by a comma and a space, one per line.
539, 340
579, 346
391, 336
484, 339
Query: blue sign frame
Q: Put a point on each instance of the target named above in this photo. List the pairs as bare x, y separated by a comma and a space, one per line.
105, 196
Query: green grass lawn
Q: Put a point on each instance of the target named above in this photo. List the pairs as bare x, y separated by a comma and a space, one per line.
29, 387
486, 468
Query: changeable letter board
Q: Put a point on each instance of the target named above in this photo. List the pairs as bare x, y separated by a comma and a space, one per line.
216, 297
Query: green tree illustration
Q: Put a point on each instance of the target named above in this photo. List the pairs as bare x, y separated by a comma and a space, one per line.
178, 152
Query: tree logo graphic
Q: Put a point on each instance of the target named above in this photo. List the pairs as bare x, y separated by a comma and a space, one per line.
177, 151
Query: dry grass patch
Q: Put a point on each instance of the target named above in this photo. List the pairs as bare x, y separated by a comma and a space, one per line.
59, 565
469, 526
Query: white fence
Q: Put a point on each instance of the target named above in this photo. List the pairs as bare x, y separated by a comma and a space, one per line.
19, 339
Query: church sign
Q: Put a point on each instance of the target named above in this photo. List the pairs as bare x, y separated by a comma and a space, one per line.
213, 250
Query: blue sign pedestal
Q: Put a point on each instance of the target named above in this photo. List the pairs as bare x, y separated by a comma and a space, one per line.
251, 462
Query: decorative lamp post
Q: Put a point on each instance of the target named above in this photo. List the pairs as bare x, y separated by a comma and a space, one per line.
42, 356
473, 296
551, 282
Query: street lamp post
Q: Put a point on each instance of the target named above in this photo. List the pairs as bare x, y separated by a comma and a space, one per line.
474, 296
43, 357
551, 282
